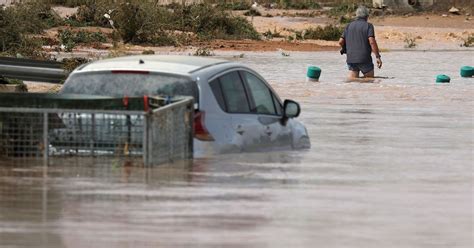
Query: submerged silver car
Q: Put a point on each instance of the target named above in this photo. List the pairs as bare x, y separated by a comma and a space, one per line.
236, 109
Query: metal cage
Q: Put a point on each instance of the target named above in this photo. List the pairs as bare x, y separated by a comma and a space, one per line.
160, 135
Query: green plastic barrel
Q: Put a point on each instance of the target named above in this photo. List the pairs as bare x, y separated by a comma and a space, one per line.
313, 72
443, 79
467, 71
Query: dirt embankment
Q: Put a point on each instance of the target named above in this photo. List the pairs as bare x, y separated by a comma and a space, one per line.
430, 31
427, 31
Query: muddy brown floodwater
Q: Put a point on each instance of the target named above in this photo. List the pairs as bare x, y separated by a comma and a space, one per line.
391, 165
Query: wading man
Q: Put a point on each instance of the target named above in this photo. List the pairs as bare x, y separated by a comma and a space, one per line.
358, 41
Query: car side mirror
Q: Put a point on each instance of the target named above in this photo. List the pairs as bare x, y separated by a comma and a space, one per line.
291, 109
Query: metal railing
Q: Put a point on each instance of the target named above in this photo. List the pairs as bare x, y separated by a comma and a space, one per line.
159, 135
32, 70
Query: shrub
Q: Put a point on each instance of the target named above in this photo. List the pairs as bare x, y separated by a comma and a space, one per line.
69, 64
93, 13
469, 42
299, 35
306, 14
18, 24
208, 22
343, 9
66, 38
4, 80
344, 20
410, 42
148, 52
270, 35
32, 17
329, 32
134, 21
69, 39
142, 22
242, 5
252, 12
68, 3
288, 4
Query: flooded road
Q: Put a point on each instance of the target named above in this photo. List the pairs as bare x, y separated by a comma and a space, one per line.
391, 165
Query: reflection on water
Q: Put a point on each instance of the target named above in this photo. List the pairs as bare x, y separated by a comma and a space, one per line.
390, 166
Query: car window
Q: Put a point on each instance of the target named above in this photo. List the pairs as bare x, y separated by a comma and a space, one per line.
261, 95
129, 84
277, 105
217, 91
234, 93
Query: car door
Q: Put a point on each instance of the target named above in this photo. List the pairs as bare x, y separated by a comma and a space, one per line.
246, 132
268, 111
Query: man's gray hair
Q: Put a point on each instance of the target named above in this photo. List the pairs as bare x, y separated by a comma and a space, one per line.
362, 12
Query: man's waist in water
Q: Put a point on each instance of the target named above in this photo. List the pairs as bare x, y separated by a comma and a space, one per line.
359, 61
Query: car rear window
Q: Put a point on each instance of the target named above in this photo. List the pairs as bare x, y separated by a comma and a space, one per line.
127, 83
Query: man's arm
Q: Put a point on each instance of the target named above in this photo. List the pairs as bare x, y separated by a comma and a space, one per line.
342, 42
375, 50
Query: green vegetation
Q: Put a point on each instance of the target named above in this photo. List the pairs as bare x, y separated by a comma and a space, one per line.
19, 25
69, 39
292, 4
11, 81
4, 80
344, 20
145, 22
133, 21
270, 35
329, 32
343, 9
93, 13
142, 23
410, 42
211, 23
69, 64
148, 52
68, 3
242, 5
252, 12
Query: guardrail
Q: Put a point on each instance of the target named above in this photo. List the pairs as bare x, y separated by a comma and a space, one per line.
32, 70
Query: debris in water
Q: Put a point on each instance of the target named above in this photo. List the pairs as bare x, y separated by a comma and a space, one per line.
454, 11
283, 53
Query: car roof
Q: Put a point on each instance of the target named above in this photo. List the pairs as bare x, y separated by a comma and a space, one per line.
174, 64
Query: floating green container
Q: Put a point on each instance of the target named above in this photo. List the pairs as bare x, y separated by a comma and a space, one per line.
467, 71
443, 79
313, 72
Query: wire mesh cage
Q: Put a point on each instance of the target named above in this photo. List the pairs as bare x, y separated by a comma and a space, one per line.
157, 133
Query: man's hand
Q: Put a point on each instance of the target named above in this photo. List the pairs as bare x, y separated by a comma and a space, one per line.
342, 43
379, 63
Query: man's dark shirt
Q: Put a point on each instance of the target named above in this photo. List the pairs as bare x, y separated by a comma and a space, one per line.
356, 36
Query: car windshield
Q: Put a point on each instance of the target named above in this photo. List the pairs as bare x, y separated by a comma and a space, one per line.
129, 83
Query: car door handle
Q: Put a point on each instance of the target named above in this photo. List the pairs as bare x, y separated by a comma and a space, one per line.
268, 131
240, 130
